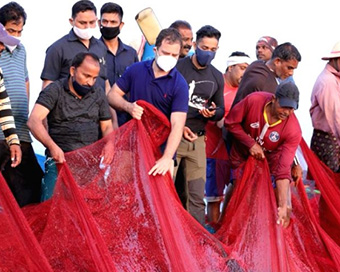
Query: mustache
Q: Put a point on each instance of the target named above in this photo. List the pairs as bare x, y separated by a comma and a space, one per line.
187, 47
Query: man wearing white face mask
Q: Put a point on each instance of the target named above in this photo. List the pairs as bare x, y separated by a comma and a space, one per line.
80, 39
24, 180
158, 82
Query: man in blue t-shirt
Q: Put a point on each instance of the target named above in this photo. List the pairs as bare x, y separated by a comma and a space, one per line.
158, 82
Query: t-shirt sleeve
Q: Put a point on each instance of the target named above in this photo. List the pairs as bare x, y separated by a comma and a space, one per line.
48, 97
104, 109
218, 99
282, 167
233, 123
52, 65
180, 101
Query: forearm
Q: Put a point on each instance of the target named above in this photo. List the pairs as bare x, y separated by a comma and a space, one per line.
282, 186
40, 133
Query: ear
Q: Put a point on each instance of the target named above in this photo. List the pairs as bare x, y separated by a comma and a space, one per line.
71, 21
99, 23
121, 26
194, 44
154, 49
72, 70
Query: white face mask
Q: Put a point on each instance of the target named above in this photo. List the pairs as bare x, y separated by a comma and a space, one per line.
84, 34
166, 63
12, 47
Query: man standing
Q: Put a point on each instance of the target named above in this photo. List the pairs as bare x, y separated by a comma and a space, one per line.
184, 28
218, 166
12, 152
80, 39
325, 112
76, 110
205, 103
263, 125
265, 76
158, 82
24, 180
265, 47
119, 55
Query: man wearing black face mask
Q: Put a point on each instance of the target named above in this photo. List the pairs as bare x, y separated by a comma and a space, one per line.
77, 111
205, 103
119, 55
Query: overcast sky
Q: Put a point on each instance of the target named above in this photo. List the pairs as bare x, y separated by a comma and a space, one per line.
312, 26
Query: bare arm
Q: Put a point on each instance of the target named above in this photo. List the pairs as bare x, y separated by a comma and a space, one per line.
113, 112
35, 124
163, 165
28, 91
282, 186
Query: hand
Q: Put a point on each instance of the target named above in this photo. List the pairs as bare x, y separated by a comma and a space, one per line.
107, 153
208, 113
296, 173
257, 152
161, 167
189, 135
57, 154
135, 111
283, 216
16, 154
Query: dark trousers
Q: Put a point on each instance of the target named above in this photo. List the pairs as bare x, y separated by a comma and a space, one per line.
25, 179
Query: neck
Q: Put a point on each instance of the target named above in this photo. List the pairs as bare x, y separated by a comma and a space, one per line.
72, 90
85, 42
272, 118
195, 62
112, 45
229, 81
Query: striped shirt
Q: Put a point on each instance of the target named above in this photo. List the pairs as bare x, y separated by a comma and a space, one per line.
15, 77
6, 118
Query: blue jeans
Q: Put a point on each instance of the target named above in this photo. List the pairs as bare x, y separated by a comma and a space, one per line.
49, 179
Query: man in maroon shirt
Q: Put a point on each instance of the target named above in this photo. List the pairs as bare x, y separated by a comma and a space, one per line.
263, 125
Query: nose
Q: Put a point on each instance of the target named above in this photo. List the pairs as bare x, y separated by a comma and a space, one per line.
91, 81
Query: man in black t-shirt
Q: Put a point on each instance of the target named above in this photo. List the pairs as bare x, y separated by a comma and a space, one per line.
205, 103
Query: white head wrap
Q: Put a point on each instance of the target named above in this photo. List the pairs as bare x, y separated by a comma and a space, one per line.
237, 60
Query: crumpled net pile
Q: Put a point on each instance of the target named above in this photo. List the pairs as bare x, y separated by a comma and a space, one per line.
118, 218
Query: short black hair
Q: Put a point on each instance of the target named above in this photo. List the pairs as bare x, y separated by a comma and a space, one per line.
81, 6
169, 34
180, 24
79, 58
238, 54
286, 52
112, 8
207, 31
12, 12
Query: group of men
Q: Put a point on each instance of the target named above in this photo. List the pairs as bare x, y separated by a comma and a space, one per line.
90, 87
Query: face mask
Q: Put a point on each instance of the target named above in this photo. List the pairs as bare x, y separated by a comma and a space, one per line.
12, 47
204, 58
81, 90
166, 63
84, 34
109, 33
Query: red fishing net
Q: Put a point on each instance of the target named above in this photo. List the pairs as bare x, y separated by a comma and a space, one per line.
118, 218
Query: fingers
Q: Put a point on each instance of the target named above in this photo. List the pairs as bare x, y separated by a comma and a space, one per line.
156, 170
137, 111
15, 151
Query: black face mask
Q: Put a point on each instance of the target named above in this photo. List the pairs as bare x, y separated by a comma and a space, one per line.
109, 33
81, 90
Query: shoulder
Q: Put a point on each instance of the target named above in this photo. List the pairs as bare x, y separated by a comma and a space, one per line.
183, 63
62, 42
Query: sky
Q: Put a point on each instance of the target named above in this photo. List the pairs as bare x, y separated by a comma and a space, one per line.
312, 26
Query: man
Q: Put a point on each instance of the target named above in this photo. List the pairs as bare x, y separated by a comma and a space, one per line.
184, 28
24, 180
265, 47
119, 55
265, 76
263, 125
6, 117
76, 110
80, 39
158, 82
205, 103
325, 111
218, 167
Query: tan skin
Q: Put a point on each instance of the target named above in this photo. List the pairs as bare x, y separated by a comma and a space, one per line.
177, 119
85, 74
206, 44
14, 149
187, 38
282, 69
263, 52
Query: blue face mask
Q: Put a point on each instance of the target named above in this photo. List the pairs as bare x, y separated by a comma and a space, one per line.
204, 58
81, 90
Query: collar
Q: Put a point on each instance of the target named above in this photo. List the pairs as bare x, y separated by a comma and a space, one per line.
266, 117
332, 70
